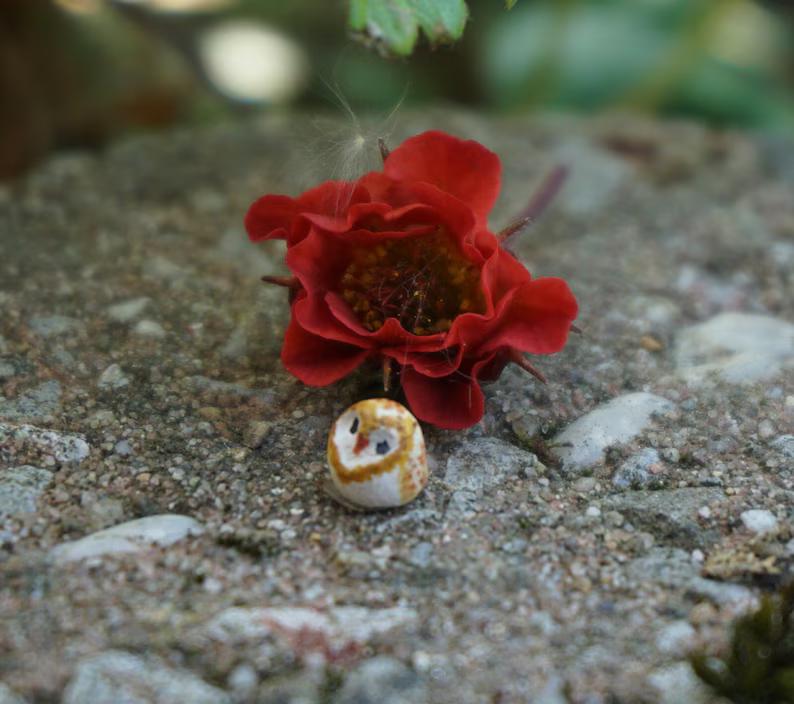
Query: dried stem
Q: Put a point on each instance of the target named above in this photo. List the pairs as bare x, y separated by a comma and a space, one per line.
290, 282
538, 203
517, 358
384, 150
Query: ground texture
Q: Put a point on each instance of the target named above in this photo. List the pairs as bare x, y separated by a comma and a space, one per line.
557, 555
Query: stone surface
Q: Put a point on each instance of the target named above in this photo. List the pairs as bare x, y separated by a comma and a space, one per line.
509, 579
127, 311
53, 325
20, 487
480, 465
382, 680
637, 471
118, 677
670, 514
736, 347
8, 697
332, 631
759, 521
132, 536
113, 378
41, 401
677, 684
582, 444
50, 445
149, 328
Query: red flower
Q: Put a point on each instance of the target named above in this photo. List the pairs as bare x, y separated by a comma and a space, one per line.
400, 266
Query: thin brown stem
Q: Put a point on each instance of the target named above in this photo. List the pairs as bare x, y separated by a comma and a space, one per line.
384, 150
538, 203
387, 374
517, 358
290, 282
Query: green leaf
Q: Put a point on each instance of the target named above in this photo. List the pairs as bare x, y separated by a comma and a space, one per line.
509, 4
393, 25
440, 20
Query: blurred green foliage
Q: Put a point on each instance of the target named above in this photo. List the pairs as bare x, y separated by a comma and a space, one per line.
759, 668
393, 25
79, 72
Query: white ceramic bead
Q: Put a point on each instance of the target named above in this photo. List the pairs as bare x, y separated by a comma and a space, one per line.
376, 454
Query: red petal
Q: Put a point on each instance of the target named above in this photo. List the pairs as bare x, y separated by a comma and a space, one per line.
536, 319
275, 216
315, 360
312, 313
269, 218
391, 335
464, 169
453, 402
434, 364
317, 260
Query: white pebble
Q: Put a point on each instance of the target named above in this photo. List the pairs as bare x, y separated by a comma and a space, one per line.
759, 521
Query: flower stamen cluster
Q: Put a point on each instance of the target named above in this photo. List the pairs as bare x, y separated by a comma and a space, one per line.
422, 281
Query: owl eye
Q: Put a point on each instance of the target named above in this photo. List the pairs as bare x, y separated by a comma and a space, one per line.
382, 447
354, 427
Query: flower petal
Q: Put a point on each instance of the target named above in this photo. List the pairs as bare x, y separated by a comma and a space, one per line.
464, 169
453, 402
391, 335
317, 260
315, 360
276, 216
536, 319
313, 314
270, 217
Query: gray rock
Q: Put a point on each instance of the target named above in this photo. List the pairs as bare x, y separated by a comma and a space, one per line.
129, 537
119, 677
676, 638
7, 696
673, 568
670, 515
678, 684
582, 444
53, 325
7, 369
759, 521
127, 311
479, 465
736, 347
339, 627
123, 448
20, 488
149, 328
382, 680
526, 427
784, 444
635, 471
421, 554
43, 401
595, 177
669, 567
113, 378
52, 445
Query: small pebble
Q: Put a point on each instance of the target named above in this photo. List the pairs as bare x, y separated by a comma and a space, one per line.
759, 521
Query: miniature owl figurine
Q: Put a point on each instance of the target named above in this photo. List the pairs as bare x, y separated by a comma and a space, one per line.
376, 454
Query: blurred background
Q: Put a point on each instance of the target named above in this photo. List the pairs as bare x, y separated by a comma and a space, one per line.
78, 73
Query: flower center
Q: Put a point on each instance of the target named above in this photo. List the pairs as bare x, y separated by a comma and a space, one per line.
422, 281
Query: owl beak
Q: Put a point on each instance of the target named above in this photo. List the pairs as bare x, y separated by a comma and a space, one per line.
362, 441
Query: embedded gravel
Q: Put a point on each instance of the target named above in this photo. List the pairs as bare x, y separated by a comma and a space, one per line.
140, 379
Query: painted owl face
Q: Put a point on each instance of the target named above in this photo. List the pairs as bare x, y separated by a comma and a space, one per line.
376, 454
